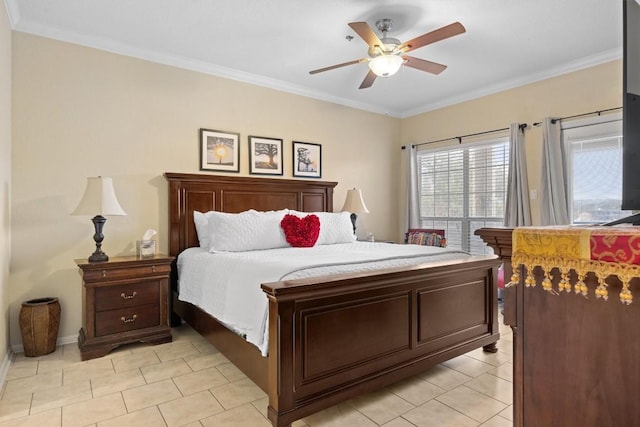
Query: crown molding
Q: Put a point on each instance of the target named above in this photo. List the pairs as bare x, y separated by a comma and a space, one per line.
241, 76
13, 12
569, 67
189, 64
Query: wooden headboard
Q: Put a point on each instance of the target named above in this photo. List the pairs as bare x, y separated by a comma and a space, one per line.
233, 194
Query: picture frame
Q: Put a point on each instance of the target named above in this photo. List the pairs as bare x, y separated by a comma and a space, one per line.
265, 156
219, 151
307, 159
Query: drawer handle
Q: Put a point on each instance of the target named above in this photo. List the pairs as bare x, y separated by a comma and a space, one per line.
131, 319
153, 268
133, 295
104, 273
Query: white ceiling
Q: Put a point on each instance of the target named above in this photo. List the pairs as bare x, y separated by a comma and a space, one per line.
275, 43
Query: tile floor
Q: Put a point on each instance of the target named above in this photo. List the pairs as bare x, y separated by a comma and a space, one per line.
189, 383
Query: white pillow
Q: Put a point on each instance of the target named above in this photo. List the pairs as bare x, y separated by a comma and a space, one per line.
335, 227
201, 221
246, 231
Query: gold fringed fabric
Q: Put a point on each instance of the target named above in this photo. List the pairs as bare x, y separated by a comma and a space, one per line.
603, 251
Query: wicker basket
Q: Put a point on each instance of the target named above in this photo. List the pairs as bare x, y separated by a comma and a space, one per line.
39, 323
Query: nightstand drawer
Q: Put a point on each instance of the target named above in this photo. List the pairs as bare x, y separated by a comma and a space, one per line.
128, 319
124, 300
122, 296
104, 274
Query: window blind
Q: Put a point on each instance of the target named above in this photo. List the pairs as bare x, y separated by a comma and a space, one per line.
463, 188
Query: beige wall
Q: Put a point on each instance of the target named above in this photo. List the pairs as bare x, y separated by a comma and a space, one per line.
81, 112
592, 89
5, 175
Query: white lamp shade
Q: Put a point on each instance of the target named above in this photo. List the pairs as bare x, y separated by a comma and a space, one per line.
354, 203
385, 65
99, 198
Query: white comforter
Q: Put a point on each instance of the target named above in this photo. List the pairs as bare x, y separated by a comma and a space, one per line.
227, 285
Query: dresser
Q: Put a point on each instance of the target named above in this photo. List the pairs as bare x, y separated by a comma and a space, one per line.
124, 300
574, 322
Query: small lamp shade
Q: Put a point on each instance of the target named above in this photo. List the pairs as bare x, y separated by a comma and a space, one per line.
99, 199
354, 203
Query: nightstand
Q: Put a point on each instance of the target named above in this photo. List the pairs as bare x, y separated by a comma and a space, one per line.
124, 300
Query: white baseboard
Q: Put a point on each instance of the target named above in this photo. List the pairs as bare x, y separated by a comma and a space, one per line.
4, 366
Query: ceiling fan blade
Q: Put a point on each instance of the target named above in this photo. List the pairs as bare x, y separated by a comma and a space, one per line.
368, 80
333, 67
432, 37
424, 65
366, 33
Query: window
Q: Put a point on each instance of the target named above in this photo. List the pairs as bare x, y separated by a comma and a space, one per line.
462, 189
594, 170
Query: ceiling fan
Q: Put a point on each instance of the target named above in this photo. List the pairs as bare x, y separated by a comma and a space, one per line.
387, 55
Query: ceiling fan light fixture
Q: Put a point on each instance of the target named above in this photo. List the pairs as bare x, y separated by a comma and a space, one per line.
385, 65
386, 55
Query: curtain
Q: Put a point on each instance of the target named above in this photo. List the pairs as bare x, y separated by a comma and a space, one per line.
554, 206
517, 212
412, 199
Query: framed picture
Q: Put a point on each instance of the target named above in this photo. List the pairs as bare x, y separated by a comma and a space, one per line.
307, 159
265, 156
219, 151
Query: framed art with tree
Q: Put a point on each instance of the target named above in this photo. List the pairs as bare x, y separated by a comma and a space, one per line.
219, 151
307, 159
265, 156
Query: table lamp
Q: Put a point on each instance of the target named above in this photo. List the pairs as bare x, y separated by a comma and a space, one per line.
99, 199
355, 204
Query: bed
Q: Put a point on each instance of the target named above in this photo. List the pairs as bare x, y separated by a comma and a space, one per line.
335, 337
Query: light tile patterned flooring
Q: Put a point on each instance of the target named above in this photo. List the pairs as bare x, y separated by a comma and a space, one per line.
189, 383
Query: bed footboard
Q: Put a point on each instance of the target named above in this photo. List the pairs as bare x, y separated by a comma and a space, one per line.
333, 340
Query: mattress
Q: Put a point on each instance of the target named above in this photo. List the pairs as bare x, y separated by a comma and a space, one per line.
227, 285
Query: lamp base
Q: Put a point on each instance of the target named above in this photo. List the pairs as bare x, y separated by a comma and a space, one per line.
353, 221
98, 255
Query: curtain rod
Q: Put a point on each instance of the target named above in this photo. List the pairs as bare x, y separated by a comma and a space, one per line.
522, 126
598, 112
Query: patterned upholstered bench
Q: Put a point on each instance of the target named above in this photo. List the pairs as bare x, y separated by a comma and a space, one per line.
426, 237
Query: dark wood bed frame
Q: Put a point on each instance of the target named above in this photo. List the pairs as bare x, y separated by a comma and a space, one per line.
336, 337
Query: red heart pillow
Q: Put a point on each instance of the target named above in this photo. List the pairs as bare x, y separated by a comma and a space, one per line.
301, 232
